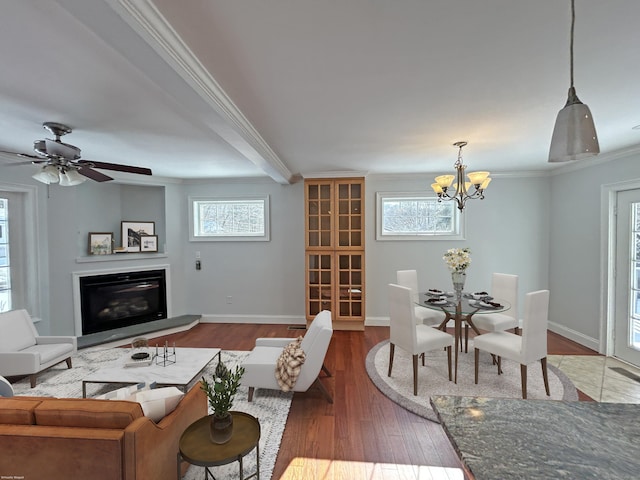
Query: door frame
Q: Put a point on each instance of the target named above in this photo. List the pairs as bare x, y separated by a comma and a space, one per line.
608, 203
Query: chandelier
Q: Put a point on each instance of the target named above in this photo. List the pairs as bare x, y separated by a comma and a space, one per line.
461, 191
574, 135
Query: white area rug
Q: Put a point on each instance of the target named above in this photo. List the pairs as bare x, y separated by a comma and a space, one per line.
433, 378
270, 407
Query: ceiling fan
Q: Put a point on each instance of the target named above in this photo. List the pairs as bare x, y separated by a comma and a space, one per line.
62, 161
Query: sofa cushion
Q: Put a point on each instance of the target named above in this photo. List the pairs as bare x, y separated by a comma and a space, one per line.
159, 402
49, 352
18, 411
17, 332
88, 413
289, 365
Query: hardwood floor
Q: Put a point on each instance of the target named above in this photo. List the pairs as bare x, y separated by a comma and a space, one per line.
362, 434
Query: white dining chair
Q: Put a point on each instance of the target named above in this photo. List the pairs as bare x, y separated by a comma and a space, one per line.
424, 315
414, 338
526, 348
503, 287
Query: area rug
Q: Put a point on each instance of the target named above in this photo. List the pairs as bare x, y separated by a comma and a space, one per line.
433, 379
270, 407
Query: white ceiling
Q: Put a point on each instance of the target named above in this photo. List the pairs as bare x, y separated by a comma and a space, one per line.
245, 88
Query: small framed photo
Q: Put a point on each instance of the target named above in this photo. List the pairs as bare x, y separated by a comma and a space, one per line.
133, 231
149, 243
100, 243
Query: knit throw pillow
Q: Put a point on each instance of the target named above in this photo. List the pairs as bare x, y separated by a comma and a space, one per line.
289, 365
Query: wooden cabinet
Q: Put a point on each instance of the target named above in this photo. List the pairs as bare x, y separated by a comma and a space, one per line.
335, 273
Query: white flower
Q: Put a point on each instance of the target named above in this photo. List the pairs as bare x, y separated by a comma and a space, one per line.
457, 259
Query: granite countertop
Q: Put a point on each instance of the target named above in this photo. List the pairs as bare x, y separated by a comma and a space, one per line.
542, 439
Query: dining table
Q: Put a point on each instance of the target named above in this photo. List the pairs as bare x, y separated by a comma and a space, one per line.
461, 310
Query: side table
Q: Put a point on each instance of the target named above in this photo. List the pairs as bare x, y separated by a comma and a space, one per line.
197, 448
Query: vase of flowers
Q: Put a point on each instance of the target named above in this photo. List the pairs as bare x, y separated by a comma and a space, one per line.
458, 260
220, 393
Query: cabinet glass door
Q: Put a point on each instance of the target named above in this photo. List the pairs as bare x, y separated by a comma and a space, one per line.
318, 215
319, 283
350, 267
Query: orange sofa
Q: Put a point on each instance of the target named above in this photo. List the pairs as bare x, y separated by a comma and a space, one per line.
61, 439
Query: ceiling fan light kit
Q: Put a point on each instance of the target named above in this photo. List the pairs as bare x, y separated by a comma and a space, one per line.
574, 135
62, 163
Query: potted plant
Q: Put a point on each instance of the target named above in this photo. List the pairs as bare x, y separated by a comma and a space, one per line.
221, 392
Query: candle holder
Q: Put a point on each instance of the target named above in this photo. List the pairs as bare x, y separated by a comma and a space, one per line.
165, 356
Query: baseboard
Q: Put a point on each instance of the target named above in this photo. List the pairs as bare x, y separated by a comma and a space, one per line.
261, 319
582, 339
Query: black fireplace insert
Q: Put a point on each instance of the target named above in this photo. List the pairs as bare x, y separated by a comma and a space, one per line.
122, 299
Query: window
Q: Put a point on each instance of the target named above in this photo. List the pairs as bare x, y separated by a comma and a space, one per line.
416, 216
229, 218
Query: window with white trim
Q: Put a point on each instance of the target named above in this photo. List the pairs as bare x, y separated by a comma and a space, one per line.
229, 218
416, 216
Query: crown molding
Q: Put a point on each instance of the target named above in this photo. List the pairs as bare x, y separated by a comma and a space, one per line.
146, 20
335, 174
597, 160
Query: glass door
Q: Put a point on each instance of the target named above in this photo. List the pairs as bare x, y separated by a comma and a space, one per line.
627, 278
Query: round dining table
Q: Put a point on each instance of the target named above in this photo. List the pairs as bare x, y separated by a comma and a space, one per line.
460, 310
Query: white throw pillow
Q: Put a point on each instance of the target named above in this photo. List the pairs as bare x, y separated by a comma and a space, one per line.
125, 392
158, 403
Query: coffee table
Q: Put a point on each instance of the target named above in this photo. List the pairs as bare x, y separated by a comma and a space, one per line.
189, 365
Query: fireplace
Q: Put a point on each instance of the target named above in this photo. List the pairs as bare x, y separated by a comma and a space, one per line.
115, 300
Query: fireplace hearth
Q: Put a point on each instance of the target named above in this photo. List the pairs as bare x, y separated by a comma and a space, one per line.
123, 299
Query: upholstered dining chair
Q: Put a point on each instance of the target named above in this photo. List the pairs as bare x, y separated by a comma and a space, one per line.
526, 348
424, 315
413, 338
503, 287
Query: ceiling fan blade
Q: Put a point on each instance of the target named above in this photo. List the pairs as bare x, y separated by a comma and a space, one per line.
94, 174
23, 155
117, 167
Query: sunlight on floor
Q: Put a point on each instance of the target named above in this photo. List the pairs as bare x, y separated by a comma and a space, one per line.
321, 469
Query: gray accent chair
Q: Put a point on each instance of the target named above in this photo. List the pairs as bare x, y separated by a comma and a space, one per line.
260, 365
24, 352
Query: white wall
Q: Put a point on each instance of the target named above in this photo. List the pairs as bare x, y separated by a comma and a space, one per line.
576, 252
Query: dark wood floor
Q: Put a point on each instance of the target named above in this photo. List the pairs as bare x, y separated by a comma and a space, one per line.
362, 434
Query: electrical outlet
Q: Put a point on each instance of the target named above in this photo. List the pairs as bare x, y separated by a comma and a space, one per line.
229, 299
198, 265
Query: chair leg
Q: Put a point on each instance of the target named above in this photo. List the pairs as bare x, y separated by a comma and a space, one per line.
326, 370
415, 374
33, 380
466, 338
392, 349
323, 390
68, 362
499, 365
545, 377
477, 357
449, 360
422, 356
251, 389
523, 375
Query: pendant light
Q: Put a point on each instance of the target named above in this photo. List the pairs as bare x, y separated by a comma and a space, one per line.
574, 136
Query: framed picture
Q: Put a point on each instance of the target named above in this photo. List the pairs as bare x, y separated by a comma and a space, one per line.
100, 243
133, 231
149, 243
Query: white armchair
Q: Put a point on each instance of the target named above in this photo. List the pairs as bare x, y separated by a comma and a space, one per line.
24, 352
260, 365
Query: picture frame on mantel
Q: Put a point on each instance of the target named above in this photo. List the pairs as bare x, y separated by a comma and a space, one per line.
133, 231
100, 243
149, 243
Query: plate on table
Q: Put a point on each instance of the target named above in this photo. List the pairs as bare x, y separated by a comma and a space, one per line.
488, 304
437, 301
433, 291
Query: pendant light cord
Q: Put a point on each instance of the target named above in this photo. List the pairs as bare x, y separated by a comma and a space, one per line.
573, 21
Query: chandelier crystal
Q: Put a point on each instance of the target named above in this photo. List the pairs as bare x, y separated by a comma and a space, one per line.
462, 189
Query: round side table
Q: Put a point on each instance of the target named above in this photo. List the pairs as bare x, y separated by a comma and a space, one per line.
197, 448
